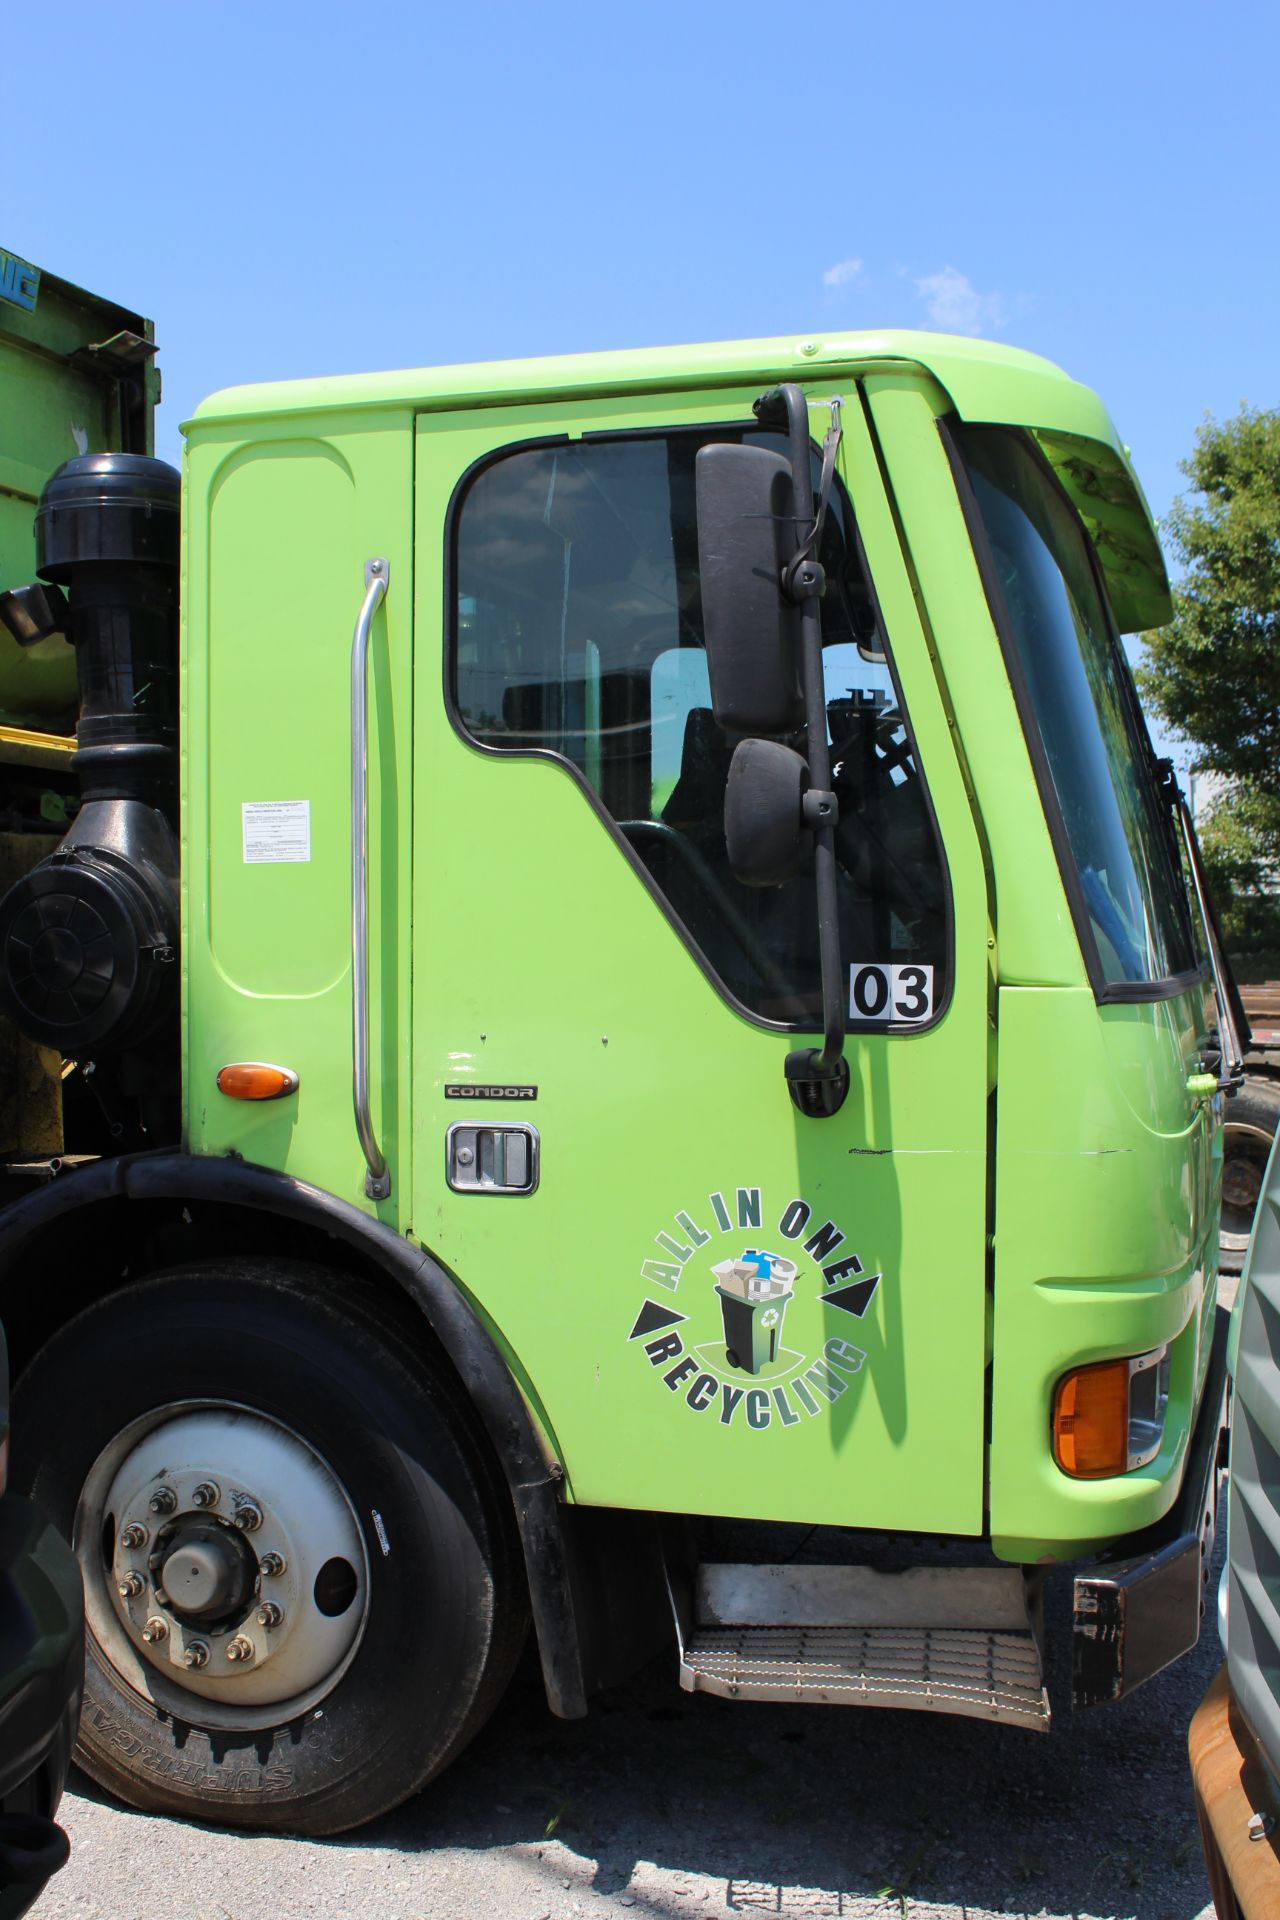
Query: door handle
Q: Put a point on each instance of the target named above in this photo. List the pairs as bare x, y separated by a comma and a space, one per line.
377, 1179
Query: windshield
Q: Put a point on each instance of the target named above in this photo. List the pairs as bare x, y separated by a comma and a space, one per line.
1087, 736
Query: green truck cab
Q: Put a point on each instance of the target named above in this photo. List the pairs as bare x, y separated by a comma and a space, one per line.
630, 996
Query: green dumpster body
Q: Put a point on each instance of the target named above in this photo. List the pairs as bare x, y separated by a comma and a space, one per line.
78, 376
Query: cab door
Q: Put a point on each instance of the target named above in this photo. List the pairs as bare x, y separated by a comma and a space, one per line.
716, 1304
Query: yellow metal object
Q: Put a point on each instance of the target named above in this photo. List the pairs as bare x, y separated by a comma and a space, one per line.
20, 747
1235, 1802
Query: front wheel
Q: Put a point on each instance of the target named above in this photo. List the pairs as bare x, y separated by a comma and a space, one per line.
301, 1579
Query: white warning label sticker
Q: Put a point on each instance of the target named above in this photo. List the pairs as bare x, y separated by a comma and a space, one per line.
276, 830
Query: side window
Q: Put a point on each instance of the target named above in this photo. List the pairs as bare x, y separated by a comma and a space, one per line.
578, 633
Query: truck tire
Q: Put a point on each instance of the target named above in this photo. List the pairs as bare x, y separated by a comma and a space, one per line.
303, 1589
1248, 1127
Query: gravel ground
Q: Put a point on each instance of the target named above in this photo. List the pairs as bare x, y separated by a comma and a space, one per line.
665, 1804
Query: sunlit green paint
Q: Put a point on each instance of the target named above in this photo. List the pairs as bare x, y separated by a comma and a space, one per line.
981, 381
514, 941
1106, 1244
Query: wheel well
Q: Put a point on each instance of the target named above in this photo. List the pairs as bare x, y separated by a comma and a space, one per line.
93, 1232
90, 1252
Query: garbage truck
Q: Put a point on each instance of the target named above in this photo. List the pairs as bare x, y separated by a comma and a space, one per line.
613, 1032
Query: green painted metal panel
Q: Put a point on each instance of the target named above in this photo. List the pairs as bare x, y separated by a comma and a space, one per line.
60, 399
1105, 1182
1107, 1176
982, 382
541, 958
278, 530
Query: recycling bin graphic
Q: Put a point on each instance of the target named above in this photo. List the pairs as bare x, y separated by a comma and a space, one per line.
754, 1292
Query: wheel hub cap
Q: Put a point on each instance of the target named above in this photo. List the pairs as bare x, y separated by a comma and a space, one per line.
245, 1583
207, 1571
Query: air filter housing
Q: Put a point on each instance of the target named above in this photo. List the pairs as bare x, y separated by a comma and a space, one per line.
88, 939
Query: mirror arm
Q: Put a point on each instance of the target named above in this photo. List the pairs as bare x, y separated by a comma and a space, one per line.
1224, 987
818, 1081
1234, 1029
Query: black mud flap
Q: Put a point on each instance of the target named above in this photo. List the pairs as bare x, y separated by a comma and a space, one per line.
1135, 1616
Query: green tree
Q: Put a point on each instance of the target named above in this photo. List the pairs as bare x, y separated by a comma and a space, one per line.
1213, 674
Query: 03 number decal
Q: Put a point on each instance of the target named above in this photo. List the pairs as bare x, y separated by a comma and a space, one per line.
881, 992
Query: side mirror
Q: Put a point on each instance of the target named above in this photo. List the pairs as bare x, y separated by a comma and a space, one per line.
747, 536
764, 826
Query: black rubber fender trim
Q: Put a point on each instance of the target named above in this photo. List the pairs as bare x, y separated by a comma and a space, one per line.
533, 1480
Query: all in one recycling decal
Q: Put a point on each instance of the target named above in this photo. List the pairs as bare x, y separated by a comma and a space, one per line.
753, 1341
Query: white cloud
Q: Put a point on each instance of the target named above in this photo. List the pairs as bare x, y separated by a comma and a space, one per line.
954, 303
843, 272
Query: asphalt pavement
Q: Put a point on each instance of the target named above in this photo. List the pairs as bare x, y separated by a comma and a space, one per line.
663, 1803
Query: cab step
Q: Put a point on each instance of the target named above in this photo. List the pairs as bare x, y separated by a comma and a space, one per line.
938, 1640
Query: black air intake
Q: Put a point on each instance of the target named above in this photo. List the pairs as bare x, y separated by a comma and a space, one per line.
88, 939
107, 532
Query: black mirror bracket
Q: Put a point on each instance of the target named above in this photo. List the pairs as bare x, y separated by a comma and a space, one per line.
816, 1091
804, 580
819, 809
818, 1082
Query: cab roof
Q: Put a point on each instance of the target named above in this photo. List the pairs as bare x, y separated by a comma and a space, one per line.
985, 383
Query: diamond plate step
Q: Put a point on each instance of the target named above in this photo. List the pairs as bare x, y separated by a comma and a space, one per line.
988, 1675
936, 1639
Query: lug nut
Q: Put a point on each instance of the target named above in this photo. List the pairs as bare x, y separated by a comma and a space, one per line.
133, 1535
155, 1631
163, 1500
272, 1564
269, 1614
247, 1516
207, 1494
131, 1586
196, 1654
241, 1648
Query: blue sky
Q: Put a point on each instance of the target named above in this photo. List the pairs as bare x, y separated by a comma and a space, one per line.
296, 189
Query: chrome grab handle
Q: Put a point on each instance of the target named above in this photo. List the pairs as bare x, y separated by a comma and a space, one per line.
377, 1180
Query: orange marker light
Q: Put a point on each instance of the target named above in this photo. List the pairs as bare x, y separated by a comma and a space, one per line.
255, 1080
1091, 1420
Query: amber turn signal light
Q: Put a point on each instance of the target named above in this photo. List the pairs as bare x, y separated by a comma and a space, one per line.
255, 1080
1109, 1418
1091, 1420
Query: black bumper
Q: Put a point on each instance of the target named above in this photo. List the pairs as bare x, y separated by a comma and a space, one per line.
41, 1659
1136, 1615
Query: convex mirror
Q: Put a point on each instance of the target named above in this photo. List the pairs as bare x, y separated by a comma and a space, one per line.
764, 828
